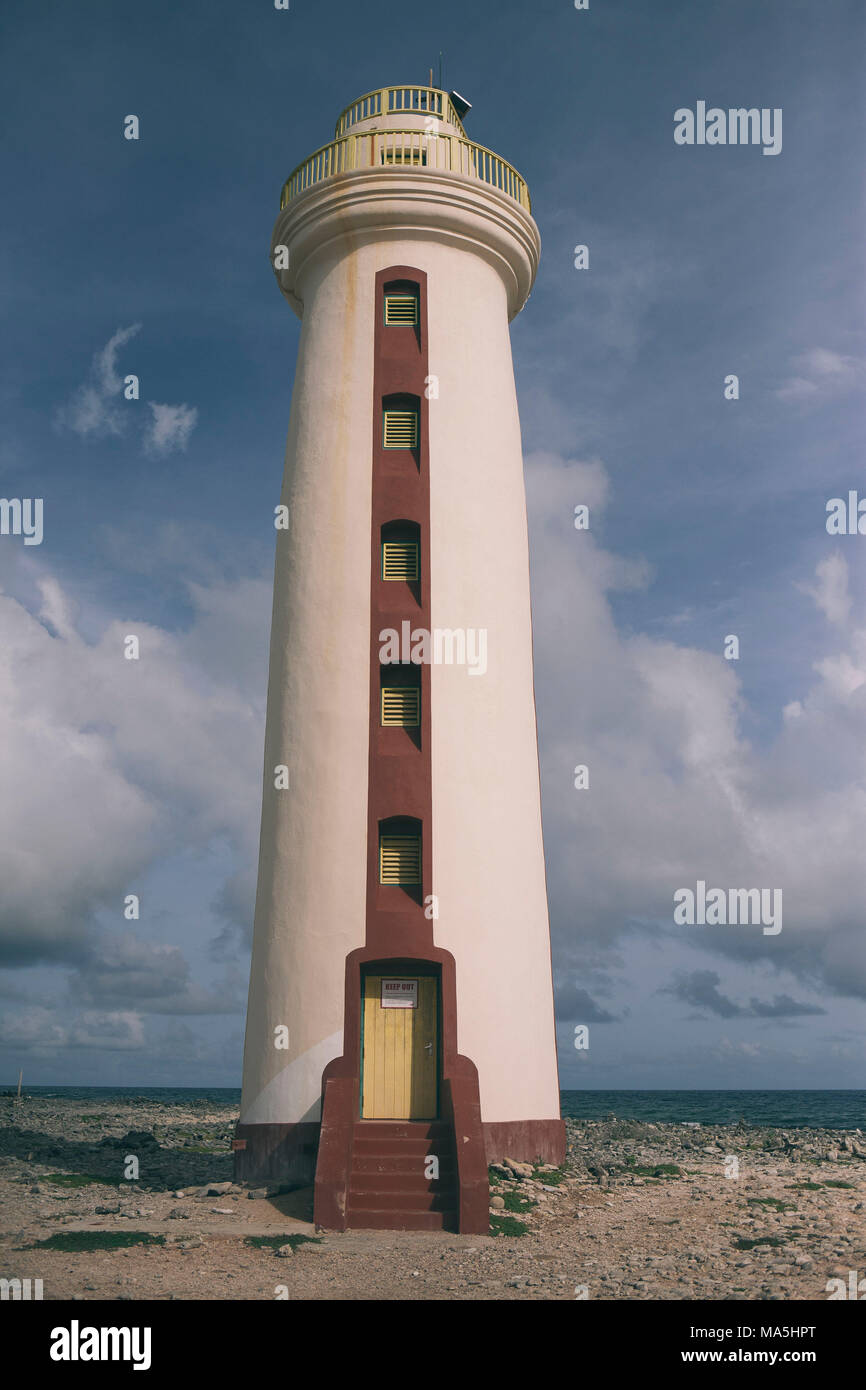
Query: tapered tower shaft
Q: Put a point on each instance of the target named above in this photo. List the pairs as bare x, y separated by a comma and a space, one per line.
401, 933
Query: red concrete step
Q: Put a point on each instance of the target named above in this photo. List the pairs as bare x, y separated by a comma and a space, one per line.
403, 1129
412, 1165
372, 1148
399, 1182
402, 1220
366, 1199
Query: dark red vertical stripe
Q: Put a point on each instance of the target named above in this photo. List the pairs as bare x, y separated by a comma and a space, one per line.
400, 777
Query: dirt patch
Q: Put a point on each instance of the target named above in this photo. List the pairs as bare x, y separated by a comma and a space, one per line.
639, 1212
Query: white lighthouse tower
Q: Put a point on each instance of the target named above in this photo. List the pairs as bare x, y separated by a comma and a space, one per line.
401, 1005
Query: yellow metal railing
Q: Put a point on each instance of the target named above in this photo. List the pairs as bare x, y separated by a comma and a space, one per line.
406, 149
388, 101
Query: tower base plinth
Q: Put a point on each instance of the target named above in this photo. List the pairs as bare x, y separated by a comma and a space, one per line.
525, 1140
276, 1153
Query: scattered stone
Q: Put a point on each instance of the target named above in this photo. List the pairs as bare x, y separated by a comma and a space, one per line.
135, 1141
285, 1252
521, 1170
650, 1240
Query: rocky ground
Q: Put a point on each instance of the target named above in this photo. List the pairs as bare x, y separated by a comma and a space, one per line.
640, 1211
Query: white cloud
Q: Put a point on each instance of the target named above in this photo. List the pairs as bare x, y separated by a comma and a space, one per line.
110, 766
92, 409
108, 378
37, 1031
820, 372
831, 590
169, 428
96, 411
677, 792
116, 1031
123, 970
739, 1051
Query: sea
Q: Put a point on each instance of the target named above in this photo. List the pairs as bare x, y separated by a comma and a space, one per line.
786, 1109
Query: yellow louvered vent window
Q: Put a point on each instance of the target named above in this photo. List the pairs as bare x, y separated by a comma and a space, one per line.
400, 560
401, 308
400, 859
401, 706
404, 155
401, 429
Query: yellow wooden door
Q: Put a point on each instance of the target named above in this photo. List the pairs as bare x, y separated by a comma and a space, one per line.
400, 1048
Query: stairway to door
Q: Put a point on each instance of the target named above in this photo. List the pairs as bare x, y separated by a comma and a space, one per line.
393, 1185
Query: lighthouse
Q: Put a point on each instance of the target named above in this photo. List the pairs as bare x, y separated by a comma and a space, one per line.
400, 1028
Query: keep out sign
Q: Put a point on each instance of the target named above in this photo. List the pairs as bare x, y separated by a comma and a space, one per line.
399, 994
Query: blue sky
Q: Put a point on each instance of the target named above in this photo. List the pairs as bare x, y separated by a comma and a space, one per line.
707, 515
